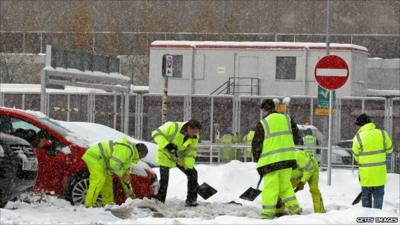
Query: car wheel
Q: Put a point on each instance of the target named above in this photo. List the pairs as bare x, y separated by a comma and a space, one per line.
3, 200
3, 204
77, 189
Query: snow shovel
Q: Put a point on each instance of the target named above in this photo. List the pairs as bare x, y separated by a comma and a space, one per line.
251, 193
357, 199
205, 191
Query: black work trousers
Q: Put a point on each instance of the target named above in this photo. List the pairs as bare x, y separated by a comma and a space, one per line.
192, 184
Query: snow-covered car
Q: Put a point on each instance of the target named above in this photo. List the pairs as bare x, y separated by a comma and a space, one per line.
340, 155
18, 166
347, 145
59, 147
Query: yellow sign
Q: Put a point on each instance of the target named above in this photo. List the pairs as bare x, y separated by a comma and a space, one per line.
323, 111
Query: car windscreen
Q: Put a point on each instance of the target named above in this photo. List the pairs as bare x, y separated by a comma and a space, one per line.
55, 126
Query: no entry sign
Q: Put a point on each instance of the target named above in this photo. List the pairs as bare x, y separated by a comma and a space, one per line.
331, 72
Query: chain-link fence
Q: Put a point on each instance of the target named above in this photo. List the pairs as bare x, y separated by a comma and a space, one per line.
219, 115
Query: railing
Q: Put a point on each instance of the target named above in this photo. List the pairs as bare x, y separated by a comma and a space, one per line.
211, 153
222, 88
239, 85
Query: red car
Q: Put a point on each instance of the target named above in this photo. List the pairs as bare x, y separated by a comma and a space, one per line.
61, 171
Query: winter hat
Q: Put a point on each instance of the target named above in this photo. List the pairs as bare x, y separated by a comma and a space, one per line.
142, 148
268, 104
362, 120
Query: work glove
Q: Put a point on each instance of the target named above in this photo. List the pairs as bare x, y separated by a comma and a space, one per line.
181, 163
279, 204
131, 195
126, 178
172, 148
156, 187
300, 186
127, 186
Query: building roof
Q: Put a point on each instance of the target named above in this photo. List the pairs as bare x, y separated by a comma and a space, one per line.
256, 45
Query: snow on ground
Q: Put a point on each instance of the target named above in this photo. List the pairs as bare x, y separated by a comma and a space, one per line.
230, 180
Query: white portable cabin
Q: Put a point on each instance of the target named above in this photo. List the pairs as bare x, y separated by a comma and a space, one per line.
252, 68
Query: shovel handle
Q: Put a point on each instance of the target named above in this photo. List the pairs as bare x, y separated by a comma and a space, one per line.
259, 182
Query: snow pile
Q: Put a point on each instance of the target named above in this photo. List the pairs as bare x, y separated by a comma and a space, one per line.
205, 210
89, 74
230, 180
36, 88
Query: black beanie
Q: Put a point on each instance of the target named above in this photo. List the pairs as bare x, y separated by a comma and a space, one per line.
362, 120
268, 104
142, 148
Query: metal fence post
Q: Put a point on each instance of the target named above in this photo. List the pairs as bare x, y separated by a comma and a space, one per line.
126, 113
212, 119
141, 116
238, 114
115, 111
1, 99
121, 113
211, 154
362, 105
23, 101
91, 107
312, 111
136, 117
68, 106
43, 80
189, 107
88, 108
43, 96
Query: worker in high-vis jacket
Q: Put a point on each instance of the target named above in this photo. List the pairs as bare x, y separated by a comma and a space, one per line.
274, 151
307, 171
227, 152
370, 148
247, 139
177, 142
309, 141
105, 159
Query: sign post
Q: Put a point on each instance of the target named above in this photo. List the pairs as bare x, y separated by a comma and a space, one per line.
167, 71
331, 72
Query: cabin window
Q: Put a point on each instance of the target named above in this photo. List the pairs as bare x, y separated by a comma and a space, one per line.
285, 68
178, 63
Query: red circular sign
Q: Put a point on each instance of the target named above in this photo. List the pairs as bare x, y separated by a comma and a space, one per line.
331, 72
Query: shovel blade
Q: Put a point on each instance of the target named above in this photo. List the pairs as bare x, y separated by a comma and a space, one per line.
250, 194
357, 199
206, 191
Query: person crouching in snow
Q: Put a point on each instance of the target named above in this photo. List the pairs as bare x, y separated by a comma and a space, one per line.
307, 171
177, 143
105, 159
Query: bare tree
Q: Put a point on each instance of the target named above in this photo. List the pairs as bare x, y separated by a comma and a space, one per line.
231, 23
80, 26
136, 67
204, 19
19, 68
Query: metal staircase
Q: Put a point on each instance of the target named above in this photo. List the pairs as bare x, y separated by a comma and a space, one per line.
239, 86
